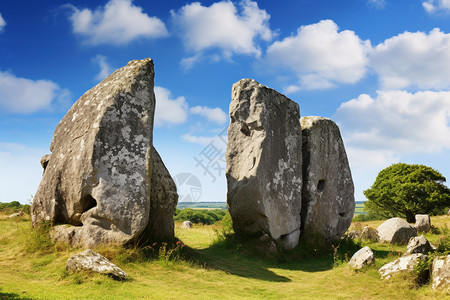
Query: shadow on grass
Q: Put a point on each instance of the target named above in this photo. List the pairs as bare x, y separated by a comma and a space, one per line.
242, 260
4, 295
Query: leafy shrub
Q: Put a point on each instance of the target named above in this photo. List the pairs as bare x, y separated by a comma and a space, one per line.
368, 217
14, 206
403, 190
203, 216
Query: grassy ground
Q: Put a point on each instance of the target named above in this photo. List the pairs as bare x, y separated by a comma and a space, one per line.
32, 268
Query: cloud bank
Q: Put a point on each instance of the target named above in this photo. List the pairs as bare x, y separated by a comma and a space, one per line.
118, 22
223, 26
321, 56
25, 96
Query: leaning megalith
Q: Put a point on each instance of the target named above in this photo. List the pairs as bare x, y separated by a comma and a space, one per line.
99, 177
328, 201
264, 163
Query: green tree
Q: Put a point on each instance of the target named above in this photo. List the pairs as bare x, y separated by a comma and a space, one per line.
403, 190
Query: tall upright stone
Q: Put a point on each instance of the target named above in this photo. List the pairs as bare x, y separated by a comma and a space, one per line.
264, 163
328, 199
99, 176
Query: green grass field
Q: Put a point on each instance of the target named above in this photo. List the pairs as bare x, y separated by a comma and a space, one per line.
32, 268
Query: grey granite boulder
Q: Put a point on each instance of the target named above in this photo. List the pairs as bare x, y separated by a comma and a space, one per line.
396, 231
264, 163
186, 224
440, 273
402, 264
103, 172
92, 261
328, 201
362, 258
423, 223
369, 233
418, 244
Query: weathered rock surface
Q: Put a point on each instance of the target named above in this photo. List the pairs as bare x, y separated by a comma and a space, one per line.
186, 224
396, 231
369, 233
92, 261
163, 202
402, 264
418, 244
328, 199
100, 173
362, 258
440, 273
423, 223
264, 163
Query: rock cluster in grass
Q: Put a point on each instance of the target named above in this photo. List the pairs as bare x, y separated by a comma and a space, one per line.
104, 179
285, 177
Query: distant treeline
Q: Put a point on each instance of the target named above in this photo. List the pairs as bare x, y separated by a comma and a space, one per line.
13, 207
210, 205
200, 216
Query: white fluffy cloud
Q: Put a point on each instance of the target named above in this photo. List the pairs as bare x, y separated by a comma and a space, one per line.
417, 60
2, 23
168, 110
24, 96
223, 25
216, 114
118, 22
397, 121
321, 56
390, 128
432, 6
105, 68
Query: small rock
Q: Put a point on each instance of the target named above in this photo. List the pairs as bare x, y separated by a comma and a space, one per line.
440, 273
402, 264
369, 233
186, 224
396, 231
18, 214
353, 234
92, 261
418, 244
423, 223
362, 258
266, 245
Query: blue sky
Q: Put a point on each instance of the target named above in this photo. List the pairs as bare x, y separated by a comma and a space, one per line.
380, 69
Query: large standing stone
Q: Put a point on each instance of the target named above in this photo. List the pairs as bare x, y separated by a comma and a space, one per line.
264, 163
423, 223
98, 177
328, 191
92, 261
396, 231
402, 264
440, 273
